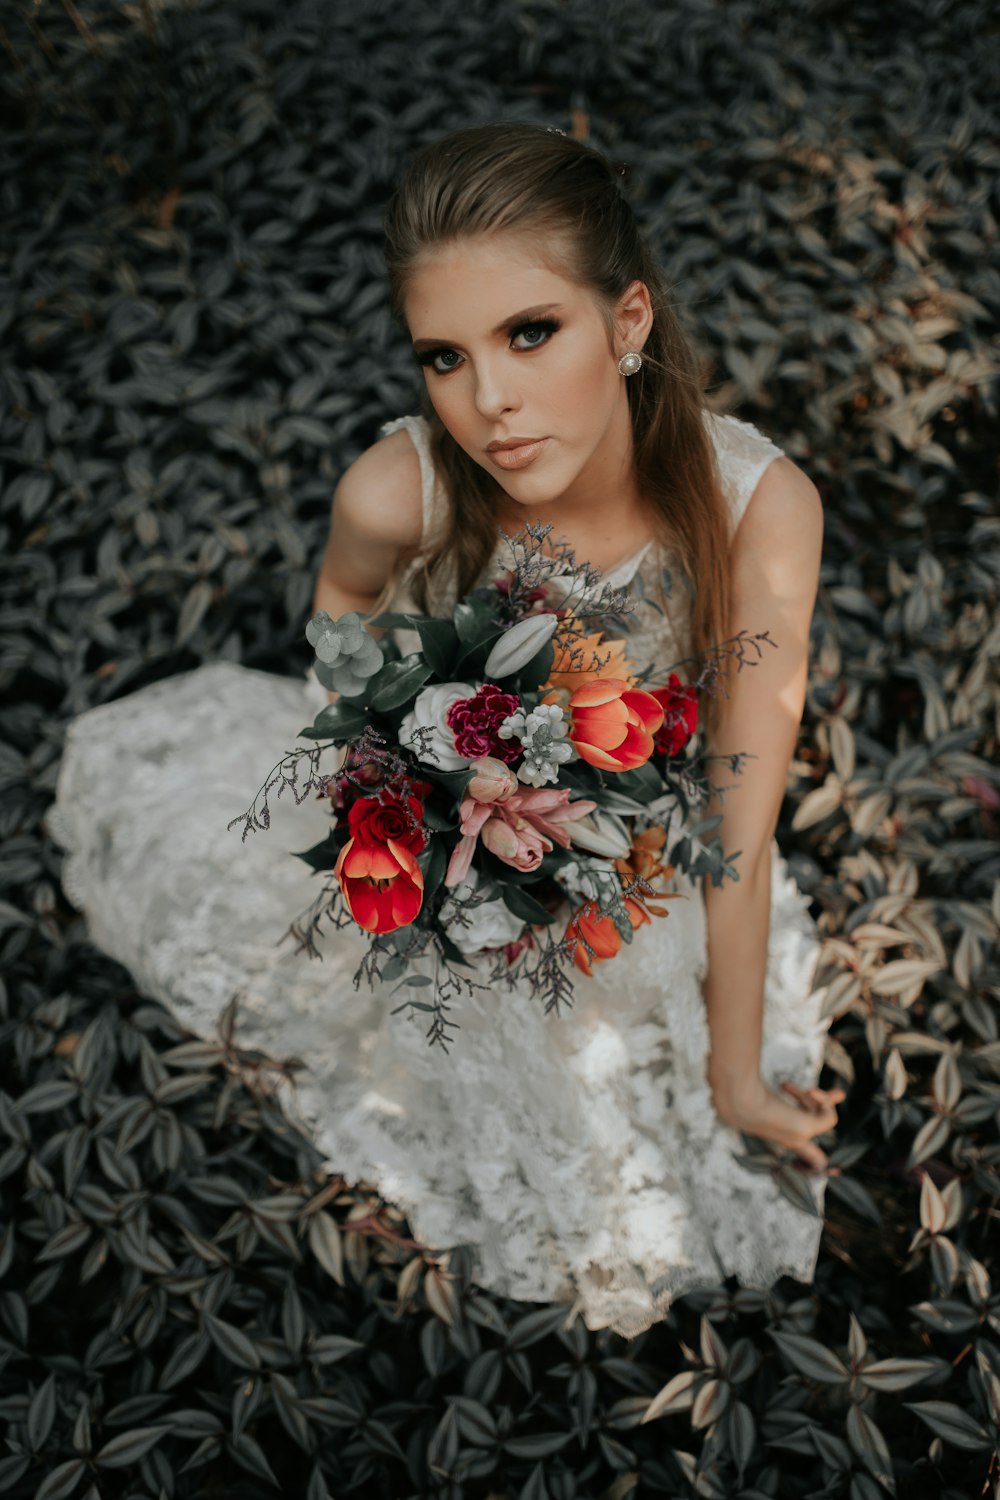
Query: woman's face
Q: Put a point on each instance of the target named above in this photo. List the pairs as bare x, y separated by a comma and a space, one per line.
510, 349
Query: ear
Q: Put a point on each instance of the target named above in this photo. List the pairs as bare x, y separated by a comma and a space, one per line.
633, 317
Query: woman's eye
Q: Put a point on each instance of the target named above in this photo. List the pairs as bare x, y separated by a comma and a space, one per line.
547, 327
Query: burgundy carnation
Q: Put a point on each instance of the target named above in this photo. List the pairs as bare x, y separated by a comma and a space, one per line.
474, 722
375, 822
680, 715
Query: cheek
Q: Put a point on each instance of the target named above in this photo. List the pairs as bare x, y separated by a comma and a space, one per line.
437, 390
456, 408
577, 387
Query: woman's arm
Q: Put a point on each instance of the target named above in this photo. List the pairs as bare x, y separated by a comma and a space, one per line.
376, 510
774, 559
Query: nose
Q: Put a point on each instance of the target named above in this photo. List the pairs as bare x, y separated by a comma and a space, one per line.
496, 395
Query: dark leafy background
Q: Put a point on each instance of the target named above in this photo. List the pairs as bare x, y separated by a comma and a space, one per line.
194, 343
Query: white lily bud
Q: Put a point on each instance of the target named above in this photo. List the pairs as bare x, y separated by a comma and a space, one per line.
519, 644
601, 832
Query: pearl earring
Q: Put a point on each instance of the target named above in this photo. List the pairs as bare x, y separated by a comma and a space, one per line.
630, 362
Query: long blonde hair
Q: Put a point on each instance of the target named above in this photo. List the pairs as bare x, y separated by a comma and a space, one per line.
564, 197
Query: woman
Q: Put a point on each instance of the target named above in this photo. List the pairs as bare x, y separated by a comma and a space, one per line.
589, 1157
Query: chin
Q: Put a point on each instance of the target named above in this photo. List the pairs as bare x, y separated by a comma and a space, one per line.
529, 487
531, 502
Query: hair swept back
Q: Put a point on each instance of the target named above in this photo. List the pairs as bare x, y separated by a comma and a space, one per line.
564, 196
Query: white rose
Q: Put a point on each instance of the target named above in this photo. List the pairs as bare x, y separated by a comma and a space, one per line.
429, 709
490, 925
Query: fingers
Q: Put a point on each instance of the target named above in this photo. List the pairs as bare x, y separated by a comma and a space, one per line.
800, 1095
835, 1095
820, 1101
809, 1156
807, 1118
815, 1159
832, 1096
796, 1115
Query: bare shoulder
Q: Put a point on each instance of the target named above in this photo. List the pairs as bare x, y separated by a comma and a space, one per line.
377, 510
784, 520
379, 495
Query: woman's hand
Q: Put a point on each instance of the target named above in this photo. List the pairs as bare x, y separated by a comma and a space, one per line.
760, 1110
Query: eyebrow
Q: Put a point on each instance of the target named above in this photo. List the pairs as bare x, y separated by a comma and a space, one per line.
420, 345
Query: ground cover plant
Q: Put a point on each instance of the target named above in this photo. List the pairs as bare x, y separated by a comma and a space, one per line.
194, 343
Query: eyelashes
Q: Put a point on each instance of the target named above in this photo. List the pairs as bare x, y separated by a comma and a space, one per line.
548, 326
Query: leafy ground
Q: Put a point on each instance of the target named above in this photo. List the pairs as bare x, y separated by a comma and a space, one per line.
194, 342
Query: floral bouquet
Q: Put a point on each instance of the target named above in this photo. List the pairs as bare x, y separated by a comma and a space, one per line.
512, 779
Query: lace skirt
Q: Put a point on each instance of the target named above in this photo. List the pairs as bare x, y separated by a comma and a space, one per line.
577, 1155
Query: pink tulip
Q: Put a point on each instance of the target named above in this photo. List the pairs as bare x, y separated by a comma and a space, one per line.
517, 844
518, 831
549, 810
492, 780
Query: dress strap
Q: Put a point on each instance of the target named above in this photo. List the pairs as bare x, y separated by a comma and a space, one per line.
419, 432
742, 453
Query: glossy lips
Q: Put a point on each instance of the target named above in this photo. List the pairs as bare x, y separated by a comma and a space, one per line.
516, 458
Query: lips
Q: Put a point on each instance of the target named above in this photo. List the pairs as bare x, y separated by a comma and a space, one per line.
516, 456
511, 442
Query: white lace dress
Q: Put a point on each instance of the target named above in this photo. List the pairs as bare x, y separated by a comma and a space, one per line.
578, 1155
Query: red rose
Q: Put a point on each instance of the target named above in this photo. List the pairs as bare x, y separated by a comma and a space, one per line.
679, 702
375, 822
474, 722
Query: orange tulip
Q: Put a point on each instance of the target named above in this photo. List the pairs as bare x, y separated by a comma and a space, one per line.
382, 884
612, 725
599, 932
